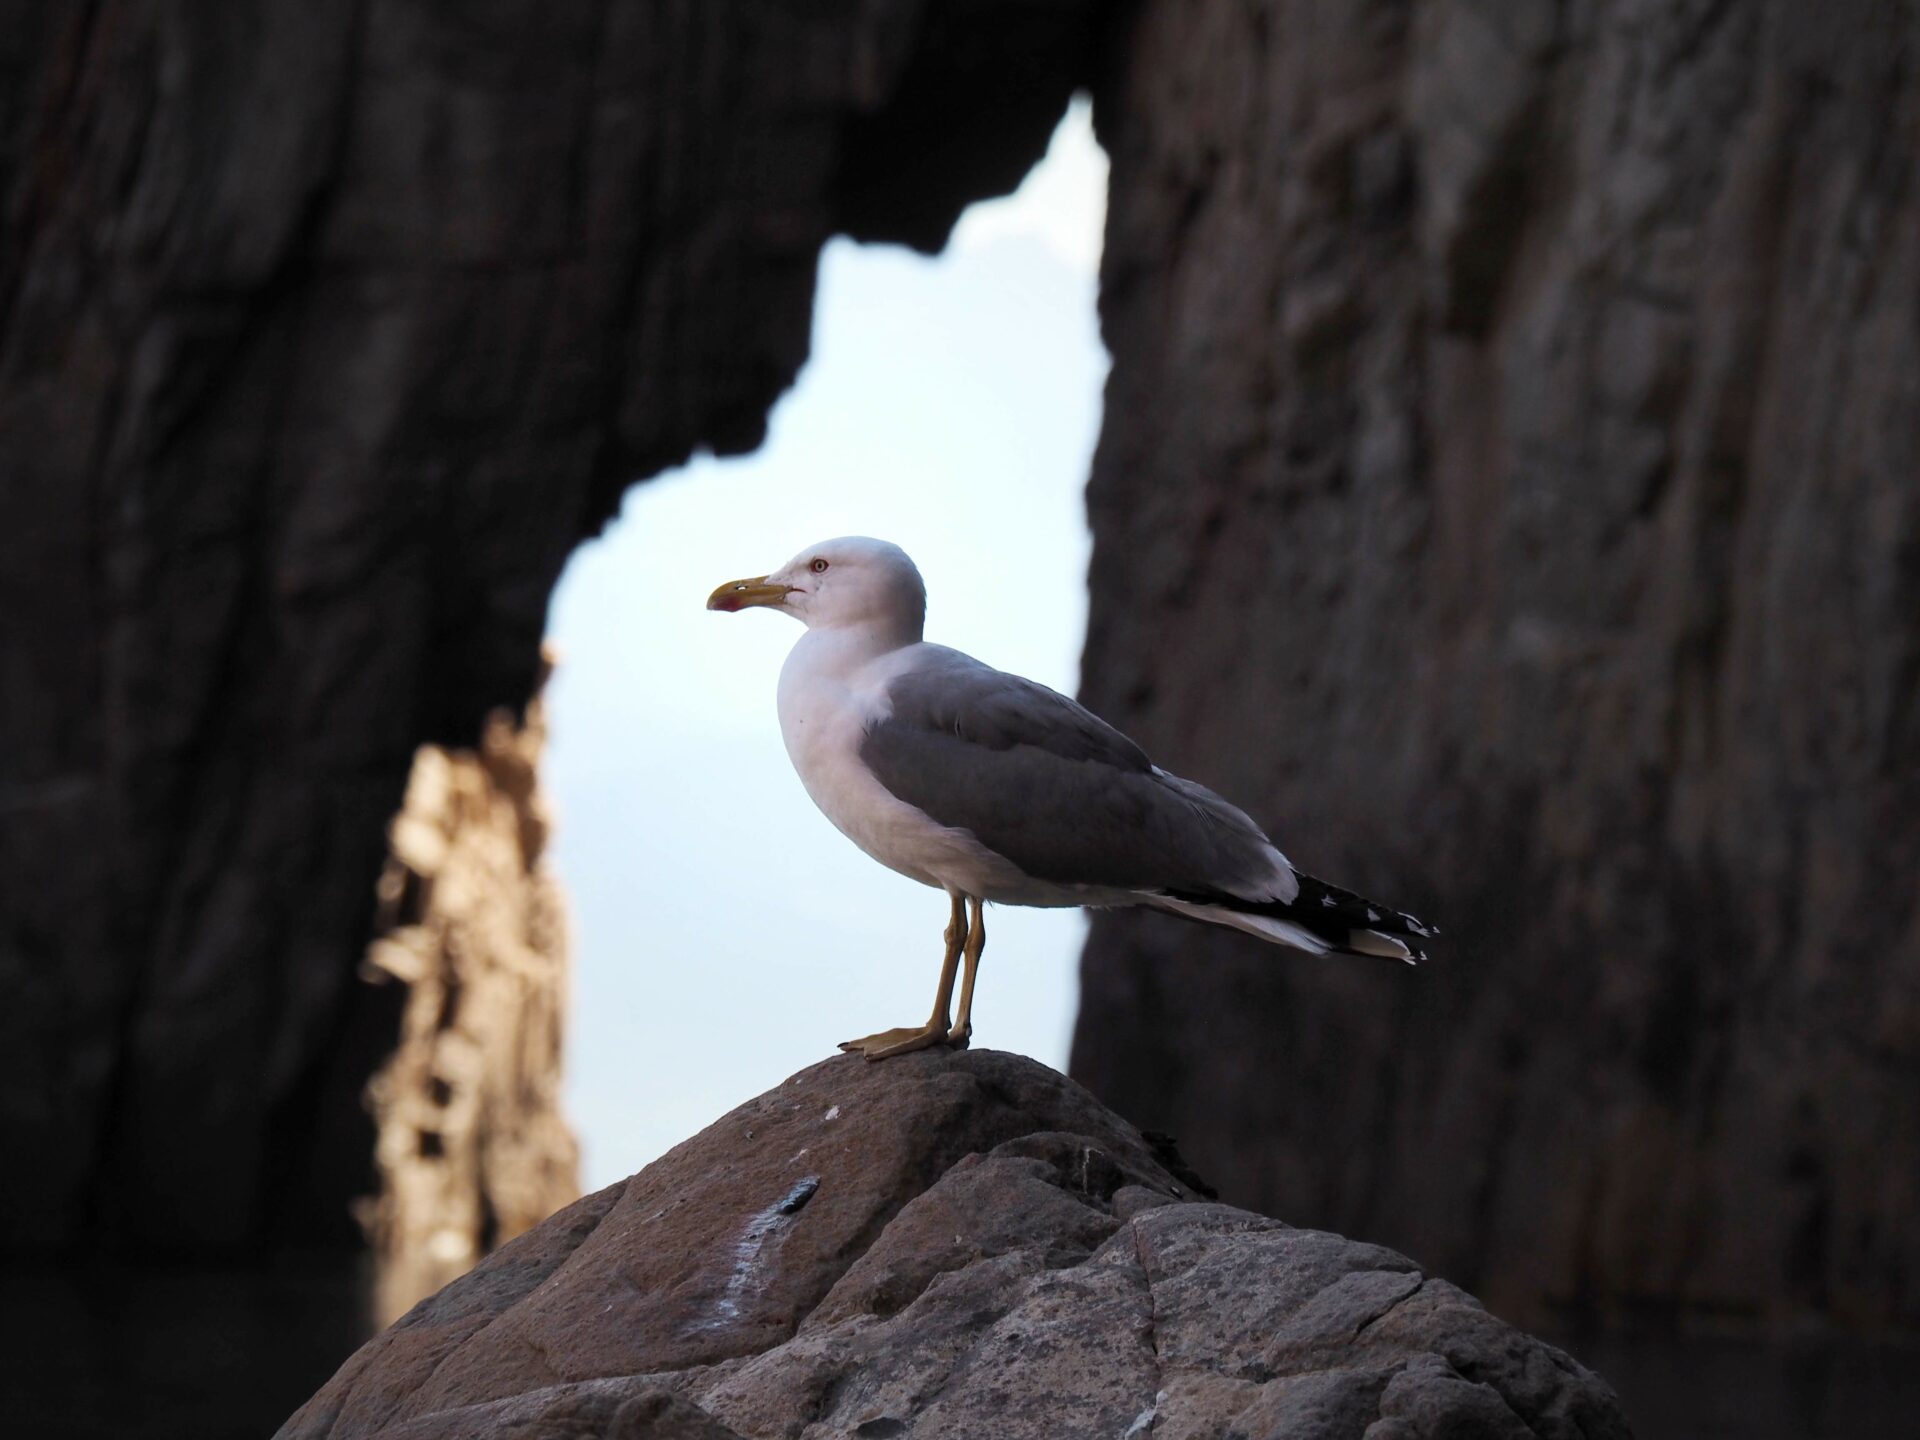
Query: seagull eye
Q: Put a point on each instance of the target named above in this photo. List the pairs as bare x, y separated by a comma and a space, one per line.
818, 567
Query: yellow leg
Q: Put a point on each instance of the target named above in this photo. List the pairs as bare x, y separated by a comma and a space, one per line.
908, 1038
962, 1031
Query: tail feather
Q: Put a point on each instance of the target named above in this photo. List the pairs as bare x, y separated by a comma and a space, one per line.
1321, 919
1387, 947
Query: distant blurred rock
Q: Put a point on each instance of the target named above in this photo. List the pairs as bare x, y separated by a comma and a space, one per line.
472, 1146
1510, 492
946, 1244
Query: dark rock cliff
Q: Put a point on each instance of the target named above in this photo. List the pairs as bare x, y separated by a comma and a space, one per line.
946, 1244
326, 331
1510, 491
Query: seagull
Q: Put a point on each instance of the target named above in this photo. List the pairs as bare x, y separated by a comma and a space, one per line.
995, 788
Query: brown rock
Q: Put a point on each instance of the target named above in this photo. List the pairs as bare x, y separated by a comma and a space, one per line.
1508, 494
939, 1246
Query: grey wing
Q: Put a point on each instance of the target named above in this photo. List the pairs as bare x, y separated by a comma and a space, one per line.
1047, 784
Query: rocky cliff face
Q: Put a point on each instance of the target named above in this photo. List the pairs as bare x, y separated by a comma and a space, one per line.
1508, 492
326, 330
946, 1244
472, 1147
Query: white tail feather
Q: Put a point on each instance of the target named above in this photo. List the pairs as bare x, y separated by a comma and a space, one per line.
1373, 942
1286, 932
1267, 927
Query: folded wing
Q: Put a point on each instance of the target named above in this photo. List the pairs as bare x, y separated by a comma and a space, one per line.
1046, 784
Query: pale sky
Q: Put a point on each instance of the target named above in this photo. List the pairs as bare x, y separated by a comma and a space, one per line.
725, 934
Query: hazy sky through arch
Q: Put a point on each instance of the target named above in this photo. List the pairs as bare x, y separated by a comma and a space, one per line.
725, 935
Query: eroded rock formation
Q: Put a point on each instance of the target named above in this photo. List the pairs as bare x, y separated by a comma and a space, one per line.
947, 1244
327, 328
1510, 490
472, 1146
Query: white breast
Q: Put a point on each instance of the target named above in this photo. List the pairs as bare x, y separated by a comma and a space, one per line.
828, 693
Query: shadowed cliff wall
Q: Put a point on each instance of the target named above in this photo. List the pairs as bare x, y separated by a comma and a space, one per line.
326, 331
1510, 491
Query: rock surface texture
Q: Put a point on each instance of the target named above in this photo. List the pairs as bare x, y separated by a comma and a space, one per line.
1510, 493
948, 1244
327, 329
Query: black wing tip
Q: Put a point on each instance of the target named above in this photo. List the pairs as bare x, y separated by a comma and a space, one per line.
1338, 906
1332, 915
1398, 923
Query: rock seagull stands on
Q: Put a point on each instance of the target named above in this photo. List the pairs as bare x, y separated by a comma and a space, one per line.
991, 787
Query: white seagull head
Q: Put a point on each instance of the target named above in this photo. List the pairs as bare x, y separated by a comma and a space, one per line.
838, 584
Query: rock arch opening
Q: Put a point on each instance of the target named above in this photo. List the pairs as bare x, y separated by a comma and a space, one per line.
722, 929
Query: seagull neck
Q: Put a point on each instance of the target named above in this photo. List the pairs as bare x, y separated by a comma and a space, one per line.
858, 641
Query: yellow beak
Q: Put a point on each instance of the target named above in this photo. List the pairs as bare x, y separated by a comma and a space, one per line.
740, 594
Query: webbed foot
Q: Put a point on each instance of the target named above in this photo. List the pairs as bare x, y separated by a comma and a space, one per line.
903, 1041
